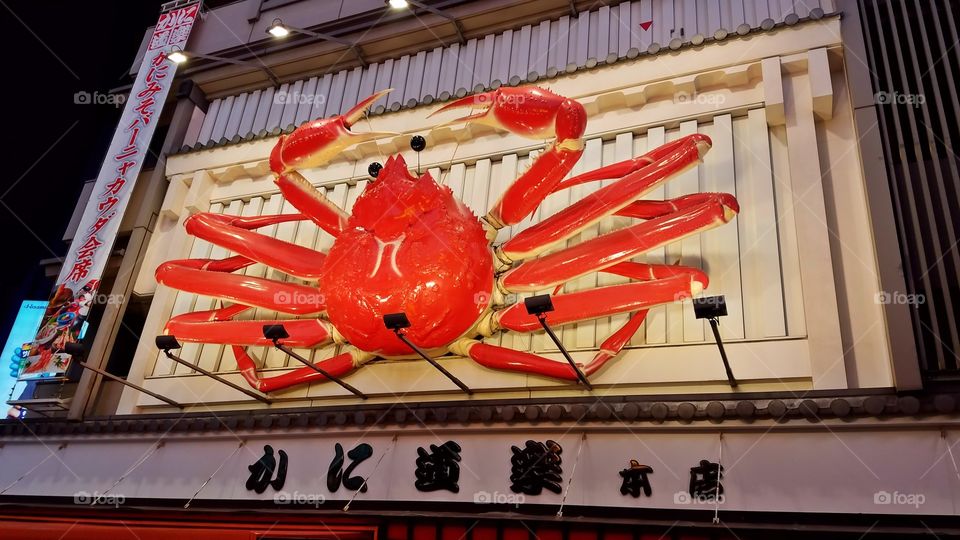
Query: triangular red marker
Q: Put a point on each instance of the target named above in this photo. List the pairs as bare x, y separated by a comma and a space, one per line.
646, 25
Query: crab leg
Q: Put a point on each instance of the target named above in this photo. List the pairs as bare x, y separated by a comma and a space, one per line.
337, 366
642, 175
216, 326
195, 276
314, 144
663, 284
692, 216
233, 233
537, 114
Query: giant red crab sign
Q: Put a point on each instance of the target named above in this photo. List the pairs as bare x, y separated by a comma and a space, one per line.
410, 246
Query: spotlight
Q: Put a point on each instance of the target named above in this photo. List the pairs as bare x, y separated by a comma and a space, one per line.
167, 343
277, 29
398, 4
712, 308
538, 306
176, 56
275, 332
396, 321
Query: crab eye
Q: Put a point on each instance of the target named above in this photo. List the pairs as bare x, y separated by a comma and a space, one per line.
374, 169
418, 143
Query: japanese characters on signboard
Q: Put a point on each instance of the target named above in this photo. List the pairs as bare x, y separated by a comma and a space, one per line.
76, 289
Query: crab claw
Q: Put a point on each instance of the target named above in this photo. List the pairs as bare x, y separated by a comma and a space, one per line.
528, 111
317, 142
482, 100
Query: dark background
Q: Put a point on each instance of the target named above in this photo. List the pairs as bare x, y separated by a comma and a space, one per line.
52, 145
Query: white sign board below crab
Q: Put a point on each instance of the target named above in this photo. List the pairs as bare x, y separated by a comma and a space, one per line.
741, 471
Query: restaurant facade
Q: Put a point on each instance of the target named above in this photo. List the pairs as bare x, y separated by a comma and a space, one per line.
812, 401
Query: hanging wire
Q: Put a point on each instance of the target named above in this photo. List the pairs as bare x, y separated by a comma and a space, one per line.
943, 435
209, 478
716, 498
35, 467
573, 471
159, 444
375, 467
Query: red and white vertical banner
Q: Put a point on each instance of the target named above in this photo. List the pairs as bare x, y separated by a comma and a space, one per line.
76, 289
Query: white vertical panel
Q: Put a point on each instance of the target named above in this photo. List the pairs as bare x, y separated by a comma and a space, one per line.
559, 42
287, 232
738, 14
668, 27
687, 183
604, 29
787, 227
236, 115
431, 75
621, 149
465, 63
448, 72
656, 321
455, 179
193, 352
627, 29
291, 105
398, 82
722, 245
759, 252
249, 113
263, 111
411, 91
276, 108
640, 337
521, 53
713, 17
368, 82
211, 117
184, 304
762, 11
689, 21
319, 107
584, 334
484, 68
540, 62
554, 203
335, 95
593, 36
384, 76
351, 90
228, 362
478, 187
500, 69
220, 124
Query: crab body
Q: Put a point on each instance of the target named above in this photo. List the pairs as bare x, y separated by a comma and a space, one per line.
409, 246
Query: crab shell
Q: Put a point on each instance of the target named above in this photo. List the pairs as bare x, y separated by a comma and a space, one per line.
409, 246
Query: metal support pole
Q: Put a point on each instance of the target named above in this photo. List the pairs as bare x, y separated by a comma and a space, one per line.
433, 363
217, 378
563, 350
715, 325
318, 369
125, 382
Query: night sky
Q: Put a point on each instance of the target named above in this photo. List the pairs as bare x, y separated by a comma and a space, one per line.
52, 50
